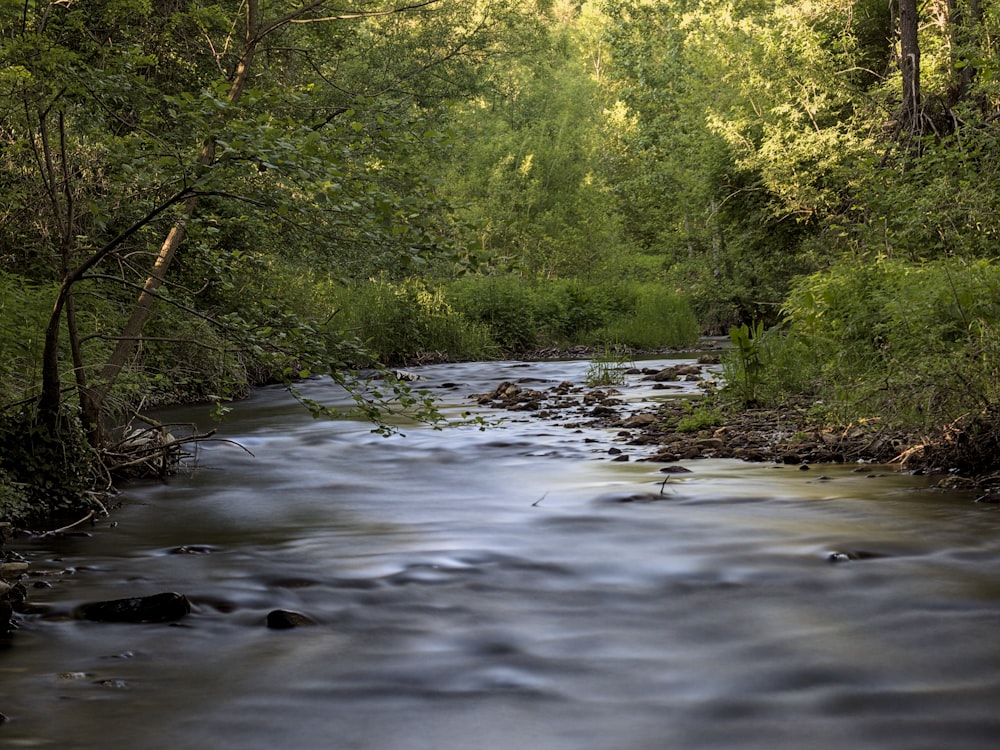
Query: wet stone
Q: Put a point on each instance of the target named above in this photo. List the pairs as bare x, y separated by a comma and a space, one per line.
839, 556
165, 607
640, 420
193, 549
284, 619
12, 570
116, 684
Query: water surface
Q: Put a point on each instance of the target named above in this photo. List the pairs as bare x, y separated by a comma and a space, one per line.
481, 590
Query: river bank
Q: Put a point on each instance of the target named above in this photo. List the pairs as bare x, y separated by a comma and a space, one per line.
710, 426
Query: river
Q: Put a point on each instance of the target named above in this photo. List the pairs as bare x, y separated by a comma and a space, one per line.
486, 590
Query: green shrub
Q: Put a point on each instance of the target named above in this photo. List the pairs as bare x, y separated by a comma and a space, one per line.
46, 472
570, 310
699, 418
522, 315
913, 344
15, 505
24, 314
506, 305
396, 322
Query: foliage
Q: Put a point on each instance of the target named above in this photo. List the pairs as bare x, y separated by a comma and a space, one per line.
743, 366
608, 367
944, 204
651, 318
46, 473
724, 163
914, 345
231, 131
506, 305
530, 171
397, 322
522, 314
15, 505
24, 308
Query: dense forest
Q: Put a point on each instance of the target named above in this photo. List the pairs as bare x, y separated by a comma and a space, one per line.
202, 196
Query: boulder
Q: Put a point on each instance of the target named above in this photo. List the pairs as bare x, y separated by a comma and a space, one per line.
13, 570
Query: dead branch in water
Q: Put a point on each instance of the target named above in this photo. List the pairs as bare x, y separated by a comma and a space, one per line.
153, 450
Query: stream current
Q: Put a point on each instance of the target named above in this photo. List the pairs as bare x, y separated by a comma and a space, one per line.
487, 590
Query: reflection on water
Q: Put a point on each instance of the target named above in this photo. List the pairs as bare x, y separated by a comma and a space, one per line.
481, 590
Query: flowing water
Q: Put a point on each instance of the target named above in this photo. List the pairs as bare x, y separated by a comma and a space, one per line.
481, 590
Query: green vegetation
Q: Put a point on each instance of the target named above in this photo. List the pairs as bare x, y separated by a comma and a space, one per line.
700, 417
608, 367
914, 347
203, 197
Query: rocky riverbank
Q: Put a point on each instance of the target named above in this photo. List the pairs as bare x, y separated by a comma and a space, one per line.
683, 429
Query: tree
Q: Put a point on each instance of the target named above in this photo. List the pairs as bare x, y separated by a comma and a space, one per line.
909, 63
531, 170
128, 127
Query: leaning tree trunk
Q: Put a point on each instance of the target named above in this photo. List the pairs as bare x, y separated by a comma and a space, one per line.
142, 310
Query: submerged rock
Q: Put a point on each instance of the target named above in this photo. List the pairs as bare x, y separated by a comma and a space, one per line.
285, 619
839, 556
164, 607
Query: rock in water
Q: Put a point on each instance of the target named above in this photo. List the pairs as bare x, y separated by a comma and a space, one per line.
156, 608
6, 613
283, 619
12, 598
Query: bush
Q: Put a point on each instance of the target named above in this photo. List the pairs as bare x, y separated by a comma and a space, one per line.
916, 346
46, 472
657, 318
396, 322
523, 315
505, 305
24, 314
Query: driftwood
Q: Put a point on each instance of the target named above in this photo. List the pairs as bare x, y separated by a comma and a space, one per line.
153, 450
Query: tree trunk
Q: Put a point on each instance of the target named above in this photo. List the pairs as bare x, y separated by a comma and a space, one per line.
909, 48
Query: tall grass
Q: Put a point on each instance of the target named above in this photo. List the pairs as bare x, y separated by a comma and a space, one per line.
24, 313
657, 318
